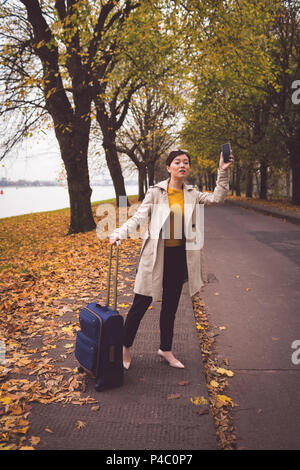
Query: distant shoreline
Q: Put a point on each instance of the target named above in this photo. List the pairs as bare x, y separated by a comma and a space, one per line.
20, 200
49, 184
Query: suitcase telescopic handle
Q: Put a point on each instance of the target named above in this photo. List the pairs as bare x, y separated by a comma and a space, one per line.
115, 277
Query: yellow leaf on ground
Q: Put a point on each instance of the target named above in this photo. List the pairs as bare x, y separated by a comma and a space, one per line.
173, 396
223, 400
5, 400
8, 447
222, 371
67, 329
213, 383
80, 424
23, 430
34, 440
23, 422
95, 408
16, 409
199, 401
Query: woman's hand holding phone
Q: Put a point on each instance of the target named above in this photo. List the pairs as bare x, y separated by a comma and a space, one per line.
222, 164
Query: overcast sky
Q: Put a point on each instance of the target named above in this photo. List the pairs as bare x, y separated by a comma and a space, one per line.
35, 160
39, 159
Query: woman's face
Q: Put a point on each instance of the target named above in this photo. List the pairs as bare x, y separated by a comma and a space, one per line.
179, 167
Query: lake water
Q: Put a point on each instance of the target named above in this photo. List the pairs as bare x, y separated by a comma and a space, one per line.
26, 200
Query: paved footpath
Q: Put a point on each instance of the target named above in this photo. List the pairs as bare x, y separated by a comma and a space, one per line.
151, 411
253, 265
288, 215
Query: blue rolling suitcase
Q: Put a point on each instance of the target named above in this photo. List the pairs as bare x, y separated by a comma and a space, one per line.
99, 342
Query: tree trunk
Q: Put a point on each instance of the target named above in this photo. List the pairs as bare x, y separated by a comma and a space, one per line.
249, 182
296, 185
146, 180
150, 168
141, 170
295, 166
263, 180
206, 181
211, 182
113, 163
74, 150
199, 182
288, 183
237, 179
80, 193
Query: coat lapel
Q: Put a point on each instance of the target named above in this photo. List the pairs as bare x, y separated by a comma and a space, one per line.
189, 203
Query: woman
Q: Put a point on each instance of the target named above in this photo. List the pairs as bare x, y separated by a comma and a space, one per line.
169, 256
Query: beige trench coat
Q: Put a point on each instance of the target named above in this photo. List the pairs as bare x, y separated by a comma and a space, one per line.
149, 277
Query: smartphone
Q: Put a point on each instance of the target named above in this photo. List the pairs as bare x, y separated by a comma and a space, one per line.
226, 152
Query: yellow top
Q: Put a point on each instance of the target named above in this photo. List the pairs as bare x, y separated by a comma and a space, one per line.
176, 202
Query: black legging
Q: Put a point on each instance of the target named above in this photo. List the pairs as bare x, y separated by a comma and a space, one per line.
175, 272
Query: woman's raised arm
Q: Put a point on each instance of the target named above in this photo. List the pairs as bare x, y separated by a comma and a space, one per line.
222, 184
